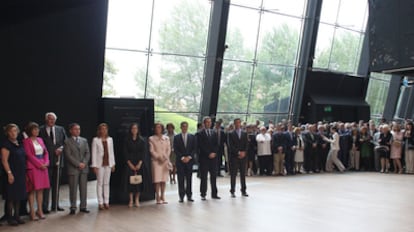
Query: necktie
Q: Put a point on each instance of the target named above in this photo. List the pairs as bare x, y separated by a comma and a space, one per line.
185, 140
218, 136
208, 132
51, 135
77, 140
239, 133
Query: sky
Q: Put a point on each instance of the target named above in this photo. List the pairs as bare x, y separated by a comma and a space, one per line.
129, 28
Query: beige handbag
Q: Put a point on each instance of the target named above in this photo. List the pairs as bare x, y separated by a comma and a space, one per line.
135, 179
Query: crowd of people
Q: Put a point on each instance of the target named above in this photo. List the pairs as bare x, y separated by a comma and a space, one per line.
32, 166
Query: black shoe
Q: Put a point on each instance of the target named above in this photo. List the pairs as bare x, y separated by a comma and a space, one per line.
203, 198
245, 194
60, 209
20, 221
12, 223
85, 210
181, 200
72, 211
233, 195
216, 197
46, 211
190, 200
219, 175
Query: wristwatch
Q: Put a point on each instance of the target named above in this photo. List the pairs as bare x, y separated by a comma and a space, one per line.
9, 172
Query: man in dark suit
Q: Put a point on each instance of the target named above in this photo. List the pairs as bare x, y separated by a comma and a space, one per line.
77, 156
221, 138
185, 146
290, 149
238, 145
207, 144
311, 150
54, 136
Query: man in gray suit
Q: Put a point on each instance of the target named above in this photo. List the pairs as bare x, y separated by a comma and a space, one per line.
54, 136
77, 155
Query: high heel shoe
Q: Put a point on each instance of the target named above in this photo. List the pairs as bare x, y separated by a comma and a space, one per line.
101, 207
33, 217
41, 216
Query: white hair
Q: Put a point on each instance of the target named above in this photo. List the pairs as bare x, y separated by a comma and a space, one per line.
51, 114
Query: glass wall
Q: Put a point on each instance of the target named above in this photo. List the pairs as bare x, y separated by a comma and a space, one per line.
156, 49
377, 93
340, 36
263, 40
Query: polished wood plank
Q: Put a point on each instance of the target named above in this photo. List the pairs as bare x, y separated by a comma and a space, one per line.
308, 202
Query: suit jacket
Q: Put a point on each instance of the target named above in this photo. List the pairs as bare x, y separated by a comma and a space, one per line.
237, 144
309, 141
206, 144
183, 151
280, 140
290, 141
60, 136
32, 162
98, 152
75, 154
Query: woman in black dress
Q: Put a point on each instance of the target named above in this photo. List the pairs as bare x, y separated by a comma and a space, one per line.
13, 159
134, 150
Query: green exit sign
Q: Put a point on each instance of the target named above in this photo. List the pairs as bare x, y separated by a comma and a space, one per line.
327, 109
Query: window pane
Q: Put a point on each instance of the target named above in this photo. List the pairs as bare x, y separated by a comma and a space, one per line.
175, 82
128, 24
381, 76
279, 39
234, 87
180, 27
241, 33
291, 7
323, 46
352, 14
272, 88
345, 51
125, 73
176, 119
376, 96
329, 11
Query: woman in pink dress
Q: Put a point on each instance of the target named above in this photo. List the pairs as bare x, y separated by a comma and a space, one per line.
37, 162
160, 150
396, 147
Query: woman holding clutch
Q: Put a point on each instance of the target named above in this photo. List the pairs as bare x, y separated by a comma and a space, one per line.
135, 148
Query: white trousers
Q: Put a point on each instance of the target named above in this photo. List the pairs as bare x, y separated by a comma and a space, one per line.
102, 185
333, 158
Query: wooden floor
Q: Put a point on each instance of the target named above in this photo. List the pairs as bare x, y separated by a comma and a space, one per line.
312, 202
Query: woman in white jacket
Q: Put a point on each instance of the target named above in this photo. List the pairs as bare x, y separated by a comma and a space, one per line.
333, 152
103, 163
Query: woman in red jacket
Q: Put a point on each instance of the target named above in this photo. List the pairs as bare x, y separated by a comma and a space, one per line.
37, 162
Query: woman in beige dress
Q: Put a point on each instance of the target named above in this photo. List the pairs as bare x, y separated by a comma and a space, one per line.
160, 150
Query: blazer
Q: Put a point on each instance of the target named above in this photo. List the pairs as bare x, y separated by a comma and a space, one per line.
60, 136
32, 162
206, 144
98, 152
334, 141
183, 151
237, 144
76, 154
279, 140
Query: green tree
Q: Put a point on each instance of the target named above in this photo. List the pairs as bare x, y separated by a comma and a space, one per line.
183, 33
109, 75
344, 54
